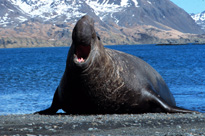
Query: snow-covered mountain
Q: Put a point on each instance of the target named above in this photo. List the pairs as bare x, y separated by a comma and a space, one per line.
126, 13
199, 19
11, 14
50, 9
119, 21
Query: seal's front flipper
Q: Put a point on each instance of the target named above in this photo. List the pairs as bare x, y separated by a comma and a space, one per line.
54, 107
49, 111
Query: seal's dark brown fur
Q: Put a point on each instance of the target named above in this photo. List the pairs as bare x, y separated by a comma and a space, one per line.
99, 80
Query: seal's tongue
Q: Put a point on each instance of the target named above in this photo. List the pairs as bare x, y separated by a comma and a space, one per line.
82, 52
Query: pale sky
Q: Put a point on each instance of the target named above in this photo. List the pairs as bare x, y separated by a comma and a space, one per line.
191, 6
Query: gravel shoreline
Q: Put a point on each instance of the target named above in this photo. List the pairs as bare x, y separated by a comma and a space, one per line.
104, 125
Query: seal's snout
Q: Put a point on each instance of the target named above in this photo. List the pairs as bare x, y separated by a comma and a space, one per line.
83, 36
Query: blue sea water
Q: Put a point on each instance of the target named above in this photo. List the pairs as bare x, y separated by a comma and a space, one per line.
29, 76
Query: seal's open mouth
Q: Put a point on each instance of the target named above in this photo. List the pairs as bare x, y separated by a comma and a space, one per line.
82, 53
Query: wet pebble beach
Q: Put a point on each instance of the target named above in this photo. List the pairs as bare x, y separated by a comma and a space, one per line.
103, 125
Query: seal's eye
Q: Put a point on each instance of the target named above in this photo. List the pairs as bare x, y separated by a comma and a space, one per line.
82, 52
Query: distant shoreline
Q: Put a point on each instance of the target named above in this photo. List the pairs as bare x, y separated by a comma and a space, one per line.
165, 44
180, 44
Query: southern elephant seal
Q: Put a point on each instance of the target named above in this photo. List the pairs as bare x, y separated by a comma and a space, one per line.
98, 80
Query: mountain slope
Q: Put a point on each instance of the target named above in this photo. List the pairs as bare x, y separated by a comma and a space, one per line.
145, 12
50, 22
126, 13
10, 14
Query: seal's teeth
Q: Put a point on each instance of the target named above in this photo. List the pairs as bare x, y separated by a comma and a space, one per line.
80, 60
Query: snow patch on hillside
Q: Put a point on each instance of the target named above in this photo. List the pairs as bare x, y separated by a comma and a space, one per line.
199, 16
136, 3
149, 2
49, 9
103, 7
199, 19
124, 3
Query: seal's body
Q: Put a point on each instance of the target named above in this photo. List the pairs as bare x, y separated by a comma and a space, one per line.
98, 80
